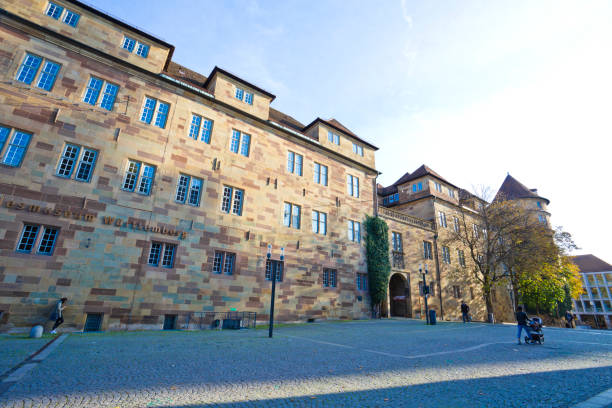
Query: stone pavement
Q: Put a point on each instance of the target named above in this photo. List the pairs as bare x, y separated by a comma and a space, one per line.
14, 349
388, 363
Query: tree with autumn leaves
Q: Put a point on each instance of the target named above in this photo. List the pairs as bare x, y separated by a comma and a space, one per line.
506, 243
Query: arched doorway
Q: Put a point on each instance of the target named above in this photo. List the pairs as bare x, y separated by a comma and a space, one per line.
399, 293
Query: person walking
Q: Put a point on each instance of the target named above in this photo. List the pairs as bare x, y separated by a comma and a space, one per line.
568, 320
58, 314
465, 312
522, 319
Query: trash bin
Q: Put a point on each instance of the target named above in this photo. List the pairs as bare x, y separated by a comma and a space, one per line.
432, 316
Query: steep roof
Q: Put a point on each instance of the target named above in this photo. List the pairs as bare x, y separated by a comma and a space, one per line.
424, 170
512, 189
339, 126
591, 263
186, 75
236, 78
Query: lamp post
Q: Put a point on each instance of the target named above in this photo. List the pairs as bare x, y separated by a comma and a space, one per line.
425, 290
273, 272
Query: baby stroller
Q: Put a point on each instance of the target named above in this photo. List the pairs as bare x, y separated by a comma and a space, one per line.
535, 324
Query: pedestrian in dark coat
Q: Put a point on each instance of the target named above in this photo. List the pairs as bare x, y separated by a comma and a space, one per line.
465, 312
58, 314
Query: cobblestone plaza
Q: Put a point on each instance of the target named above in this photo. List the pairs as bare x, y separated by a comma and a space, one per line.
387, 363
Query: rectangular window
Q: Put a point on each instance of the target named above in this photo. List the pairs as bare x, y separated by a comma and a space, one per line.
542, 219
397, 241
539, 204
456, 292
240, 141
320, 174
71, 18
155, 253
248, 98
292, 215
461, 256
245, 145
54, 11
29, 237
427, 250
154, 107
451, 193
333, 138
142, 50
438, 187
188, 190
319, 222
128, 43
168, 259
29, 68
15, 148
108, 96
357, 149
362, 282
48, 75
162, 114
207, 126
442, 219
224, 262
279, 270
417, 187
294, 163
239, 93
139, 174
354, 231
232, 200
446, 255
329, 278
73, 157
475, 229
194, 129
92, 93
456, 224
352, 185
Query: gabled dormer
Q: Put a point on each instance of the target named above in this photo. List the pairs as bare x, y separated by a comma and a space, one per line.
335, 136
239, 93
84, 24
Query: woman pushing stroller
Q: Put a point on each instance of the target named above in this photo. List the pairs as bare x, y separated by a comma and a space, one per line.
522, 319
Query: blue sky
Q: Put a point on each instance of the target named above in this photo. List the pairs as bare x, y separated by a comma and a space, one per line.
474, 89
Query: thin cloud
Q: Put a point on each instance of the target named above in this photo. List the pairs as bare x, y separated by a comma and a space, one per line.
407, 17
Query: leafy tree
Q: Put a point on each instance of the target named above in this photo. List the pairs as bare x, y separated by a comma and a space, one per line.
377, 254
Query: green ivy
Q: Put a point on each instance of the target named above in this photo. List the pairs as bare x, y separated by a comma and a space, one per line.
377, 254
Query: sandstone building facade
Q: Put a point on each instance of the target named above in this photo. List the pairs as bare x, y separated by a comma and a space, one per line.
142, 190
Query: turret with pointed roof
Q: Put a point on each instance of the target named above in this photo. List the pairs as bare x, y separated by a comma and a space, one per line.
512, 189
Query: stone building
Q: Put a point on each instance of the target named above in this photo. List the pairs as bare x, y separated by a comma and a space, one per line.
144, 191
421, 208
140, 189
594, 306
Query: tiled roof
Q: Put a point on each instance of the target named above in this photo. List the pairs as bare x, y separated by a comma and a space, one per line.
512, 189
186, 75
591, 263
339, 126
420, 172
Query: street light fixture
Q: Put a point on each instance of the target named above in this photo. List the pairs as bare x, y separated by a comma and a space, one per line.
273, 273
425, 290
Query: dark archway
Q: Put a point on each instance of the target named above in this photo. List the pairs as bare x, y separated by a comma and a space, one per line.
399, 291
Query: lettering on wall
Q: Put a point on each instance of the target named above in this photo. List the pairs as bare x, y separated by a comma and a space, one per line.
118, 222
34, 208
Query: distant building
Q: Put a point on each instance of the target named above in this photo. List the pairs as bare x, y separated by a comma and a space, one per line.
594, 306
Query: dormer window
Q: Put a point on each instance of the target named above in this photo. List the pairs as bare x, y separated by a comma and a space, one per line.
438, 187
417, 187
357, 149
242, 95
55, 11
334, 138
130, 44
539, 204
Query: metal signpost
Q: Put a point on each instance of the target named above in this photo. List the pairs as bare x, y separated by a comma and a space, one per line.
273, 273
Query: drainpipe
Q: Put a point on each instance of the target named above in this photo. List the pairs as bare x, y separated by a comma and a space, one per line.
375, 195
437, 260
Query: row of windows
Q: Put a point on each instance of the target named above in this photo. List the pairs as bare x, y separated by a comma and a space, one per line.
438, 187
446, 257
456, 224
335, 139
67, 16
393, 198
295, 165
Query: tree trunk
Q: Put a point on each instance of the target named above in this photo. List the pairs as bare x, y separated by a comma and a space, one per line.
489, 304
516, 296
